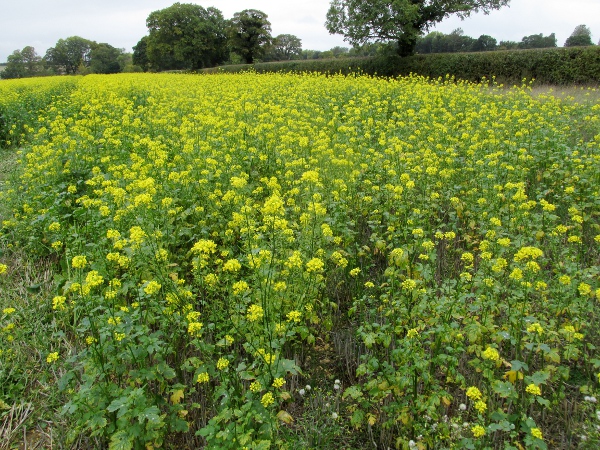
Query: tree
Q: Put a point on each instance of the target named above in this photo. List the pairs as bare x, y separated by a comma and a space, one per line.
508, 45
250, 34
286, 46
538, 41
125, 61
15, 67
23, 63
69, 54
104, 58
184, 36
457, 42
401, 21
582, 35
484, 43
140, 55
338, 51
430, 43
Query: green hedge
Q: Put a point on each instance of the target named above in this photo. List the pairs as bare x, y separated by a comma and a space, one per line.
578, 65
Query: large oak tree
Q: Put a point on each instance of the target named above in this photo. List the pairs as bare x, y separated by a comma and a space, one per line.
250, 34
401, 21
186, 36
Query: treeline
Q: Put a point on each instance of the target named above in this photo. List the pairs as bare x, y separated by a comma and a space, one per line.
73, 55
456, 41
187, 36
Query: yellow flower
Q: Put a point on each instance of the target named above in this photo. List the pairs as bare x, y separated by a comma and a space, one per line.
478, 431
491, 354
255, 313
278, 382
516, 274
194, 328
535, 328
504, 242
480, 406
537, 433
202, 377
315, 265
409, 284
152, 288
533, 389
584, 289
222, 364
204, 246
52, 357
239, 287
294, 316
413, 332
474, 393
255, 386
564, 279
79, 262
267, 400
232, 265
58, 302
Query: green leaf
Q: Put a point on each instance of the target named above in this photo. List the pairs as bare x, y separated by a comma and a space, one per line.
539, 377
519, 366
118, 404
121, 440
289, 366
504, 389
369, 339
353, 392
357, 418
151, 414
34, 288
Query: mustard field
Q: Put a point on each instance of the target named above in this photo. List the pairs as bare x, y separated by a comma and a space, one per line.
300, 261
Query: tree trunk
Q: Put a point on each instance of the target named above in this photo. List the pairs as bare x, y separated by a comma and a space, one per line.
406, 44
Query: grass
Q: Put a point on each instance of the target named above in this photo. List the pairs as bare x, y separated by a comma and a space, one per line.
32, 420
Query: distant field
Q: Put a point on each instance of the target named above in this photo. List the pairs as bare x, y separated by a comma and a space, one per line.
299, 261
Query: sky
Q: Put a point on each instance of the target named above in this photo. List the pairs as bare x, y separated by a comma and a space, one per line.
121, 23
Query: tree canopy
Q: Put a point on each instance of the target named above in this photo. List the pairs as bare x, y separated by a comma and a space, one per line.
185, 36
250, 34
286, 46
23, 63
69, 54
538, 41
401, 21
104, 58
581, 36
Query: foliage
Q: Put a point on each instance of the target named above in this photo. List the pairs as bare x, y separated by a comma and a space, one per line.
250, 34
140, 54
484, 43
538, 41
183, 36
21, 64
69, 54
285, 47
104, 58
21, 103
236, 255
401, 21
581, 36
548, 66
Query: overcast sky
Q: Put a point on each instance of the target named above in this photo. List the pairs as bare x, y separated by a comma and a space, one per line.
121, 23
